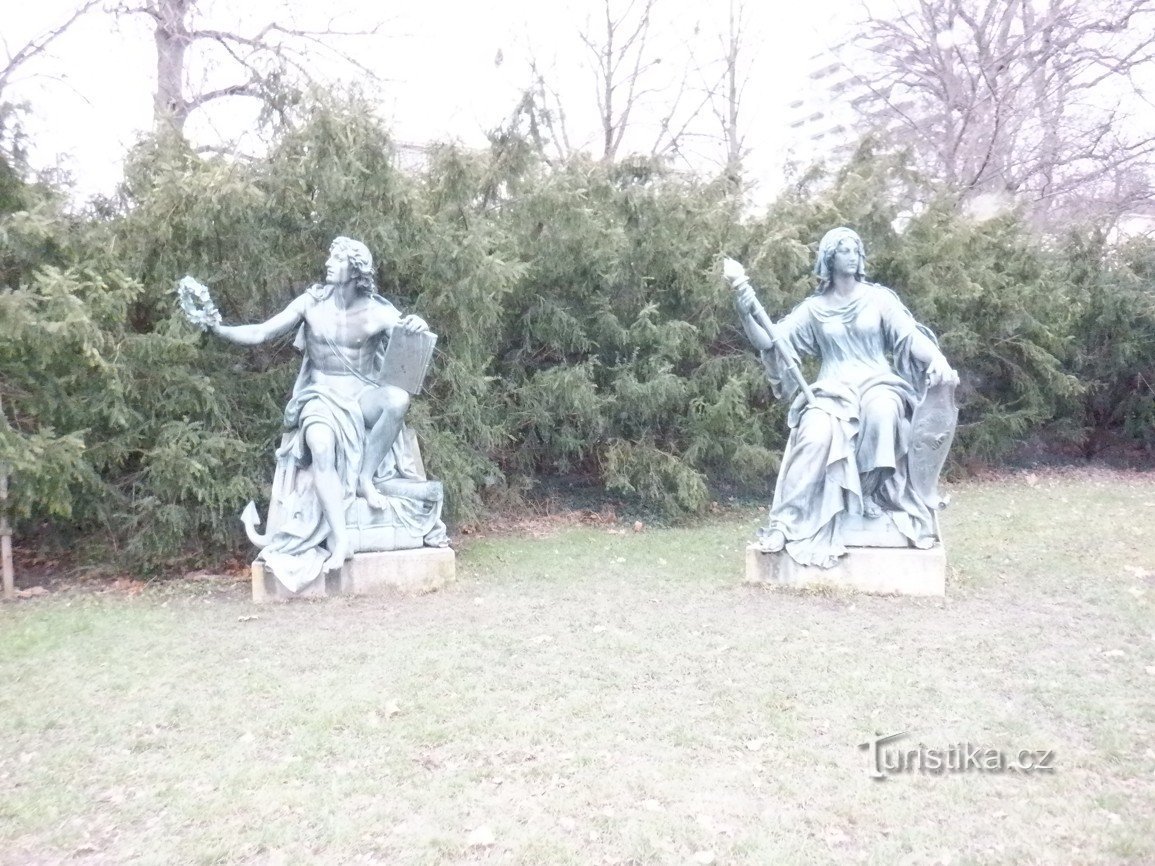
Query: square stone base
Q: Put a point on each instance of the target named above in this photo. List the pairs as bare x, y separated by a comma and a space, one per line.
887, 570
410, 572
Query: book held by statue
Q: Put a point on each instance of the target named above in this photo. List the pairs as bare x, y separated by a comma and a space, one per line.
407, 359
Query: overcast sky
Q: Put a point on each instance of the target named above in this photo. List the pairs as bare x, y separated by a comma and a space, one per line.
451, 69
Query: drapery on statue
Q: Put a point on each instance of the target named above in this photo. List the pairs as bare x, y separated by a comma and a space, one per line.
867, 439
349, 474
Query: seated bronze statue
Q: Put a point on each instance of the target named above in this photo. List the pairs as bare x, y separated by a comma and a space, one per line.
349, 474
869, 437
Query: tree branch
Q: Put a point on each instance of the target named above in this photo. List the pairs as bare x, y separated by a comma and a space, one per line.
39, 44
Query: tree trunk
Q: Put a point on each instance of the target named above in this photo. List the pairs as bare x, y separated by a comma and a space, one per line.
170, 108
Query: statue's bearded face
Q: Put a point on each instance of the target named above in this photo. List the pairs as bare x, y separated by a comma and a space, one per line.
337, 269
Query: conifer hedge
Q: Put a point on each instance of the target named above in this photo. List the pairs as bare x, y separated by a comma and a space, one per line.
584, 328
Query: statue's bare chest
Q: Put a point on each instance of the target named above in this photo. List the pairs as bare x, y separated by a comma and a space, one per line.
347, 327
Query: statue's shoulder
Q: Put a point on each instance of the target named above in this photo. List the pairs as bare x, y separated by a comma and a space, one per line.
806, 306
885, 294
382, 311
318, 291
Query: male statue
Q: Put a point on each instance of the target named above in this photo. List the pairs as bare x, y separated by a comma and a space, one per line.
345, 437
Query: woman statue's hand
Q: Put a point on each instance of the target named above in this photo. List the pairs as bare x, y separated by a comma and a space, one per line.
940, 371
746, 301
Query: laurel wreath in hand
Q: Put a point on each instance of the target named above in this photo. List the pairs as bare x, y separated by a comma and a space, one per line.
197, 304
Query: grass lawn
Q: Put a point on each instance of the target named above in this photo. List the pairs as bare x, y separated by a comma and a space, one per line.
584, 695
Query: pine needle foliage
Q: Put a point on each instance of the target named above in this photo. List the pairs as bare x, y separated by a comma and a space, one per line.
584, 329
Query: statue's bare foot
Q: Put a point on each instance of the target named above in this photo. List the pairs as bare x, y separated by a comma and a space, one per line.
872, 509
372, 495
772, 542
338, 556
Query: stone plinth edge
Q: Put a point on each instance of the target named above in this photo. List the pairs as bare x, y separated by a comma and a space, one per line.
408, 572
883, 570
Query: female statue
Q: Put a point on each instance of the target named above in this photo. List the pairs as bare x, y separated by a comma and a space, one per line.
846, 468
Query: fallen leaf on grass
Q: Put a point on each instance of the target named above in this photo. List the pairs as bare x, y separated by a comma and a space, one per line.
482, 837
31, 592
704, 857
836, 837
248, 618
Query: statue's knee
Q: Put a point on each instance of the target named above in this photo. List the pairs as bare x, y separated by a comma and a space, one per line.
883, 412
385, 404
815, 427
322, 446
397, 402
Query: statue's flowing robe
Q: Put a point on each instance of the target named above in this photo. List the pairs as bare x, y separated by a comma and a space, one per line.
298, 527
852, 441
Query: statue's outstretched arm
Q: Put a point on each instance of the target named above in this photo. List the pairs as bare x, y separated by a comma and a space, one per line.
252, 335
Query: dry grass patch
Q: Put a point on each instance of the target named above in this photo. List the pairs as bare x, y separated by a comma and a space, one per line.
593, 696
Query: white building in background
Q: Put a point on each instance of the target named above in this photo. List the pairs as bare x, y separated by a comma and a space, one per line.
836, 108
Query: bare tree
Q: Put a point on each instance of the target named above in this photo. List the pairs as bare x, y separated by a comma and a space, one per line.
645, 99
1028, 99
543, 110
37, 45
620, 62
726, 91
254, 60
15, 62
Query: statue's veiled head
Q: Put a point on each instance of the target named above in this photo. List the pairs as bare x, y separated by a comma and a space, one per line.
824, 263
360, 262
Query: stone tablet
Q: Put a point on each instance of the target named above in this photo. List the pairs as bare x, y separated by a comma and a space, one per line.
407, 360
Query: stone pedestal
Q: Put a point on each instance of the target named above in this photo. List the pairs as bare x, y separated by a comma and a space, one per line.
885, 570
409, 572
